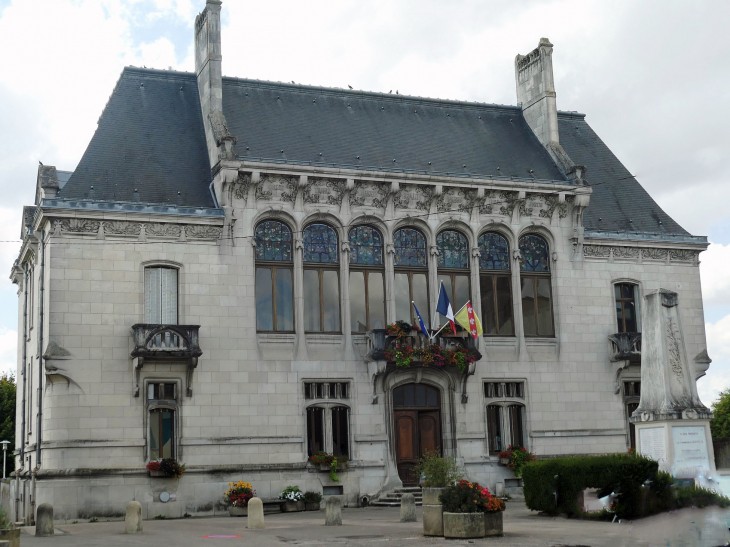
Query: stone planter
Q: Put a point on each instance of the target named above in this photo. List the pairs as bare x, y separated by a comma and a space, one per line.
238, 511
11, 535
464, 525
292, 506
494, 524
161, 474
312, 507
433, 520
504, 461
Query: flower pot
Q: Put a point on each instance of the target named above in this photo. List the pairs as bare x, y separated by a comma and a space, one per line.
464, 525
12, 535
160, 474
312, 507
493, 524
433, 519
504, 461
238, 511
292, 506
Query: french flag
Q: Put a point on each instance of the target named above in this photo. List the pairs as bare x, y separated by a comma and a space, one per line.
444, 307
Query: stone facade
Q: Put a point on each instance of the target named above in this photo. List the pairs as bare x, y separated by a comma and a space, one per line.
241, 408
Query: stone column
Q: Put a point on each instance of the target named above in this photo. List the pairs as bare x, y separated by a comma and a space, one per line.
672, 424
298, 279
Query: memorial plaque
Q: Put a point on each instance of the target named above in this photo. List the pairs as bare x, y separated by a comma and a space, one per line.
652, 444
690, 451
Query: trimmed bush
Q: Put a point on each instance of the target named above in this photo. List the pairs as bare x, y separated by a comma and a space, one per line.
566, 477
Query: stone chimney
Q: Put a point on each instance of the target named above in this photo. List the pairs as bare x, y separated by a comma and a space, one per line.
46, 184
536, 95
210, 82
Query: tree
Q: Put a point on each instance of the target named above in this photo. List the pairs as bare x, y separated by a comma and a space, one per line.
7, 411
720, 424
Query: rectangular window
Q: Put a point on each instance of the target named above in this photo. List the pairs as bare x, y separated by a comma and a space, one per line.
30, 397
457, 288
632, 394
411, 286
160, 296
537, 313
31, 311
626, 308
326, 390
630, 408
315, 430
516, 419
340, 438
321, 300
162, 419
496, 294
492, 389
274, 299
494, 428
367, 301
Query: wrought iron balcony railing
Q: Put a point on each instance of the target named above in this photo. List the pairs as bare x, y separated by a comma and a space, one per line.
625, 346
383, 347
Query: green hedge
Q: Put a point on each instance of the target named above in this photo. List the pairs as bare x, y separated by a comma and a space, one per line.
566, 477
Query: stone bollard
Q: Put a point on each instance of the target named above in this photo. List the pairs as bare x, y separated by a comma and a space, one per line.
44, 520
333, 513
255, 514
133, 518
433, 512
407, 508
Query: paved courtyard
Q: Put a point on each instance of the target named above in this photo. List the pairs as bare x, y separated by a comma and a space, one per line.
375, 527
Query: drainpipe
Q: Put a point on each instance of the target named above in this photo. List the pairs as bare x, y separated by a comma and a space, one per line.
40, 357
32, 497
25, 357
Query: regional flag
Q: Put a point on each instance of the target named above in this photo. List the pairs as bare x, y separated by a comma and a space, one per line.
444, 307
468, 319
420, 320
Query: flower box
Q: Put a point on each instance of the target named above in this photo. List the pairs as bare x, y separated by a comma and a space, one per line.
238, 511
159, 473
11, 535
504, 461
494, 524
464, 525
292, 506
311, 507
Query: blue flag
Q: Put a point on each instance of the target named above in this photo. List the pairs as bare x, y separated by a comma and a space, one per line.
420, 320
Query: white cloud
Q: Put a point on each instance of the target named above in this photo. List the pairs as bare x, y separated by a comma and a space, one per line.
714, 268
8, 350
718, 347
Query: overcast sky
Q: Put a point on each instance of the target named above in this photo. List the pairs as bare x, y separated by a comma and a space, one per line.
652, 77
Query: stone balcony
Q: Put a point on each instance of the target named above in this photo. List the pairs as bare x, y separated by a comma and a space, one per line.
169, 343
625, 346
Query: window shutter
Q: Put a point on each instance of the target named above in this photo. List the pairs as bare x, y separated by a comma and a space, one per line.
152, 295
168, 296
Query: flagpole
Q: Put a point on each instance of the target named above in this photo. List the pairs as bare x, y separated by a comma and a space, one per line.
442, 328
436, 313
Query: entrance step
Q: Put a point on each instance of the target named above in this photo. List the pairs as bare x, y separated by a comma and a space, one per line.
392, 499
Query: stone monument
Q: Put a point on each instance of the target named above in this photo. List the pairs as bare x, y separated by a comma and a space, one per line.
672, 424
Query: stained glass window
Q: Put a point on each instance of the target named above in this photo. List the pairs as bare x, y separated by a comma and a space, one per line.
453, 249
494, 252
366, 246
535, 254
320, 244
410, 248
273, 241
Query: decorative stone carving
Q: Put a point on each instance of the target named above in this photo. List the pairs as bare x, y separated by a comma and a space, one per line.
198, 231
80, 225
324, 191
369, 194
630, 253
552, 202
414, 196
456, 199
122, 228
682, 255
277, 188
240, 190
596, 251
162, 230
512, 200
675, 359
537, 205
654, 254
492, 201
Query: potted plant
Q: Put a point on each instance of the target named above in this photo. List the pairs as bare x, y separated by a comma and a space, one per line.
518, 458
329, 462
8, 532
493, 519
293, 499
504, 457
167, 467
312, 501
465, 507
437, 473
237, 497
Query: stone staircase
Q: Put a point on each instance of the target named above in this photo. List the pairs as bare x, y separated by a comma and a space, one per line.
392, 499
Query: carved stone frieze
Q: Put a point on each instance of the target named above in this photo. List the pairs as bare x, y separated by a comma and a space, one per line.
324, 191
158, 229
631, 253
596, 251
675, 358
492, 202
122, 228
369, 194
512, 200
273, 187
552, 202
243, 183
682, 255
654, 254
537, 205
414, 196
196, 231
456, 200
80, 225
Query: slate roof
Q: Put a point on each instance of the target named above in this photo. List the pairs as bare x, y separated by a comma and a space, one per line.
151, 138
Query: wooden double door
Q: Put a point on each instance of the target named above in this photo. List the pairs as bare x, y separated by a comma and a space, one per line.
417, 421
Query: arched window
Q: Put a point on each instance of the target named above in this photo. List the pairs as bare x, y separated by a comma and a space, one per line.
274, 292
411, 274
160, 295
627, 307
453, 267
495, 283
537, 309
321, 279
367, 279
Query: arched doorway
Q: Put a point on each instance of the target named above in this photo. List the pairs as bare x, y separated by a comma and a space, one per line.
417, 421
